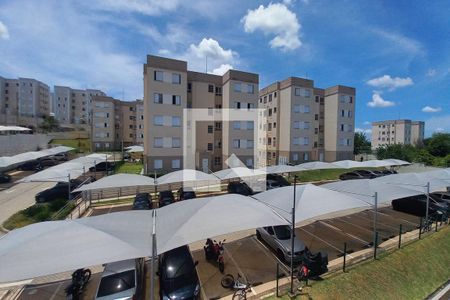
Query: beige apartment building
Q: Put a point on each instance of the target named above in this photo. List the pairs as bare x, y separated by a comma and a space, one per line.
306, 123
390, 132
23, 101
73, 106
169, 88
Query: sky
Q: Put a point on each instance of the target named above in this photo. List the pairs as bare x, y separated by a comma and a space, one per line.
395, 53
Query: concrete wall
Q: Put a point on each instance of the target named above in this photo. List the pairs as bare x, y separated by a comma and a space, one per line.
19, 143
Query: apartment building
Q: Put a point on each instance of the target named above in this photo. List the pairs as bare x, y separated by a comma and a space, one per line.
73, 106
390, 132
23, 101
169, 88
139, 122
307, 123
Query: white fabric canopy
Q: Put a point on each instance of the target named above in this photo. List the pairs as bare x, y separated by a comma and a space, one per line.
415, 181
7, 161
14, 128
238, 172
376, 163
61, 172
281, 169
442, 174
118, 181
187, 175
312, 203
317, 165
364, 189
193, 220
347, 164
397, 162
133, 149
59, 246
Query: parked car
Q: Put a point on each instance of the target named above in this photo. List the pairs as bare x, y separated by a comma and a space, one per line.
142, 201
368, 174
60, 157
416, 205
166, 198
389, 172
186, 193
59, 191
31, 165
5, 178
279, 239
239, 187
351, 175
122, 280
178, 277
280, 180
443, 196
103, 166
47, 162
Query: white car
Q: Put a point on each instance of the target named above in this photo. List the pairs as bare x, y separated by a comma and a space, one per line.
122, 280
279, 239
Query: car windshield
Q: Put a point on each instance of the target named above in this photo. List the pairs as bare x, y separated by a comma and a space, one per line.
282, 232
116, 283
178, 266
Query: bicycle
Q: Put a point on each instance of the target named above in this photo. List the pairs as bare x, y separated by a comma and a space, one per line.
241, 288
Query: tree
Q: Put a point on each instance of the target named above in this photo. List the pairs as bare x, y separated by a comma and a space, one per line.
438, 144
49, 123
398, 151
362, 143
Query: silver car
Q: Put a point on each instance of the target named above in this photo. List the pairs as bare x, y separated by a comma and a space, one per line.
279, 239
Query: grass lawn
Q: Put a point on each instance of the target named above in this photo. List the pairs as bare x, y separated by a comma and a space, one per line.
129, 167
413, 272
83, 145
39, 213
318, 175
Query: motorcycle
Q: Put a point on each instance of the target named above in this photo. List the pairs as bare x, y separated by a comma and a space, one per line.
214, 252
79, 280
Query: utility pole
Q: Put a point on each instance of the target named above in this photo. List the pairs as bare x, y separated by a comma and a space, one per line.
293, 235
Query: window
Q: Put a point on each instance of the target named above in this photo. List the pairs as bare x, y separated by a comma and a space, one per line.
218, 125
270, 112
237, 104
176, 78
274, 124
218, 91
250, 89
176, 142
176, 163
342, 127
236, 144
305, 125
210, 147
296, 108
158, 120
275, 94
217, 161
176, 121
296, 141
158, 98
269, 141
249, 162
210, 88
349, 113
306, 141
269, 127
210, 129
237, 87
274, 110
158, 76
306, 109
250, 125
158, 142
250, 105
189, 87
342, 113
274, 141
306, 93
305, 156
237, 125
176, 100
158, 163
270, 97
298, 92
295, 156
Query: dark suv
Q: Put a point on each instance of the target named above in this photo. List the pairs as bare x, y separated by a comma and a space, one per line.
103, 166
59, 191
239, 187
166, 198
186, 193
142, 201
178, 277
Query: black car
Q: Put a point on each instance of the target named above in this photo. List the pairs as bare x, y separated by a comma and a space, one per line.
237, 187
60, 157
178, 277
47, 162
368, 174
59, 191
351, 175
166, 198
388, 172
103, 166
416, 205
31, 165
186, 193
5, 178
142, 201
280, 180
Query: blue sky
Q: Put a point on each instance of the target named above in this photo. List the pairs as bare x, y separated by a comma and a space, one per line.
395, 53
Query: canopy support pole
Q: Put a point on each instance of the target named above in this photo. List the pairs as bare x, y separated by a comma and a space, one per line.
152, 264
68, 176
427, 206
375, 210
293, 236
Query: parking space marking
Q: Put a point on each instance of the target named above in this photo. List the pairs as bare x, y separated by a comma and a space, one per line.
378, 223
270, 254
345, 233
398, 218
311, 234
360, 227
233, 261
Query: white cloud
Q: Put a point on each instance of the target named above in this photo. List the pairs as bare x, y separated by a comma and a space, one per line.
391, 83
367, 123
429, 109
145, 7
401, 42
275, 19
210, 48
378, 101
437, 124
440, 129
431, 73
222, 69
4, 34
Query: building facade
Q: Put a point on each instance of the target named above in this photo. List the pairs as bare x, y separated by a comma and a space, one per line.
404, 132
306, 123
169, 88
23, 101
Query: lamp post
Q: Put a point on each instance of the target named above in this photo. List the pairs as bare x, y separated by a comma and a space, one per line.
293, 235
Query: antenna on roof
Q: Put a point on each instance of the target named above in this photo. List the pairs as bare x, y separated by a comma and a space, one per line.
206, 65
